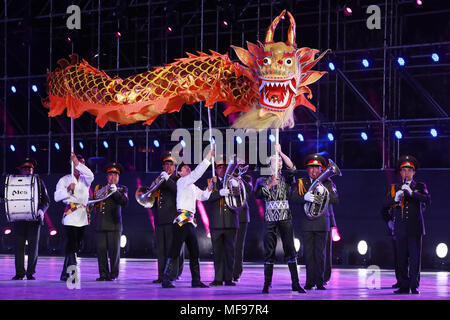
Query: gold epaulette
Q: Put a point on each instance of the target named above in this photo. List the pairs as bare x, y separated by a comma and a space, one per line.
301, 187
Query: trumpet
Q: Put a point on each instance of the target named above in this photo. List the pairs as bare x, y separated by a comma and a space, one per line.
144, 194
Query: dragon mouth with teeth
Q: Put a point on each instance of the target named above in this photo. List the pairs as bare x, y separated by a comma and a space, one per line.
276, 94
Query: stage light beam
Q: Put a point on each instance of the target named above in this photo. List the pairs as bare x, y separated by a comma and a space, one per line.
53, 232
81, 145
105, 144
362, 247
300, 137
33, 148
433, 132
13, 149
34, 88
131, 143
401, 61
13, 89
365, 63
364, 136
156, 143
441, 250
398, 134
56, 145
331, 66
330, 136
435, 57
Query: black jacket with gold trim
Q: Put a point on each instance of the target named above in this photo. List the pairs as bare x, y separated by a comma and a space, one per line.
108, 213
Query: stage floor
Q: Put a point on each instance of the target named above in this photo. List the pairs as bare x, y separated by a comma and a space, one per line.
136, 276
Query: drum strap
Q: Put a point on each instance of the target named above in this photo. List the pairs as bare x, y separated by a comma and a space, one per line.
71, 207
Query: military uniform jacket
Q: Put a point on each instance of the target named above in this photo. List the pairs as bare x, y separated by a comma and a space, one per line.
165, 207
281, 193
408, 214
220, 215
109, 211
323, 222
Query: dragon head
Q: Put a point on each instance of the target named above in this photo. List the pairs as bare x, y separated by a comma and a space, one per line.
283, 73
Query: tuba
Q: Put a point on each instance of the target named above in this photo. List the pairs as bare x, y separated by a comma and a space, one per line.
235, 184
315, 209
144, 195
101, 195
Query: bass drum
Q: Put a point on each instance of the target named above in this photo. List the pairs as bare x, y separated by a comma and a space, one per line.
21, 197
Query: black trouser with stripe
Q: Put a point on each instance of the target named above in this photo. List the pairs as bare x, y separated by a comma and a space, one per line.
108, 245
164, 239
224, 243
315, 251
240, 246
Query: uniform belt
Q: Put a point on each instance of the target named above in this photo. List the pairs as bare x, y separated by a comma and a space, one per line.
276, 205
185, 216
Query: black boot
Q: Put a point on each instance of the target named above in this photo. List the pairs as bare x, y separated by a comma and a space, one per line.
64, 275
268, 272
167, 275
294, 277
194, 264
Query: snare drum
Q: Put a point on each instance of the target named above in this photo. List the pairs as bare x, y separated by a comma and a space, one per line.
21, 197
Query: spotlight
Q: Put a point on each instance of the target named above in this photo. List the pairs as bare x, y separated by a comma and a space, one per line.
330, 136
365, 63
364, 136
7, 240
296, 244
272, 138
68, 40
53, 232
183, 144
118, 35
433, 132
105, 144
131, 143
208, 235
11, 146
56, 145
239, 140
7, 231
300, 137
224, 23
401, 61
169, 29
34, 88
419, 2
81, 145
13, 89
435, 57
212, 140
441, 250
123, 241
362, 247
331, 66
156, 143
348, 11
398, 134
335, 236
33, 148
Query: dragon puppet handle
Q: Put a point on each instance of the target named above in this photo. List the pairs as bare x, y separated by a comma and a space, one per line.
266, 89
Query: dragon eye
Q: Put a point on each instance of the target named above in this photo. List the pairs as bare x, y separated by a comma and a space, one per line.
266, 61
288, 62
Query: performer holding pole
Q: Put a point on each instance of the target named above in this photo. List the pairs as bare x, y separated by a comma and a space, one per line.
74, 192
184, 224
275, 190
408, 200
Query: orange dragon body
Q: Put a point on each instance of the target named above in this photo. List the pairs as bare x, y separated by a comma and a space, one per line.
266, 90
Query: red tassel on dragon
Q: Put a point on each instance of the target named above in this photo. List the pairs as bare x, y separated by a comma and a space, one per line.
266, 90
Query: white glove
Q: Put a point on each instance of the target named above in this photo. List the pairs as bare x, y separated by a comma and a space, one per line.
309, 197
407, 188
41, 214
399, 195
113, 188
224, 192
165, 175
320, 189
391, 224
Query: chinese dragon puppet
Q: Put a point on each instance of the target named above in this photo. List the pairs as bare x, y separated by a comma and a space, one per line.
265, 91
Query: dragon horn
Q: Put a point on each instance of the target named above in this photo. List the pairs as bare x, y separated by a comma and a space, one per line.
271, 29
291, 32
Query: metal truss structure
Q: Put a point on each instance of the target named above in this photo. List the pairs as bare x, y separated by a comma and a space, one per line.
128, 37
